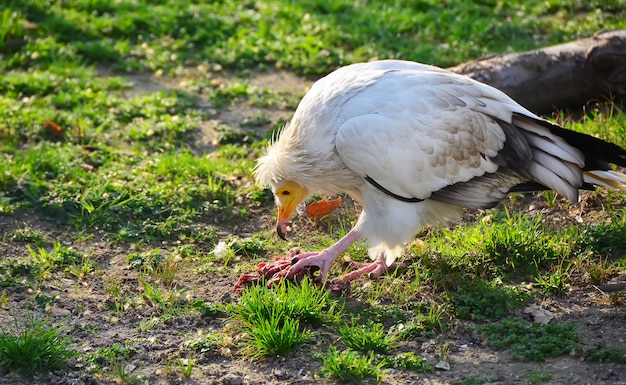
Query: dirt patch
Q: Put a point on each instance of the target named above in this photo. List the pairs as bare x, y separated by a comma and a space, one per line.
93, 327
238, 116
82, 306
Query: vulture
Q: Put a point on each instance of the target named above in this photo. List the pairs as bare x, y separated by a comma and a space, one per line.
413, 144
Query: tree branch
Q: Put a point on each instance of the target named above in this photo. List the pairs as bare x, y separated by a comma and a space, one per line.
561, 76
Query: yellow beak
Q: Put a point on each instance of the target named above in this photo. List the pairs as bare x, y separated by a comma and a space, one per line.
282, 223
288, 197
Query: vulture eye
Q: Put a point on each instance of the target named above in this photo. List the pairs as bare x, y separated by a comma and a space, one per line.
285, 193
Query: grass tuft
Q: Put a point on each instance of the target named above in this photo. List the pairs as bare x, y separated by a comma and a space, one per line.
482, 301
367, 338
35, 346
530, 342
554, 282
274, 318
349, 366
305, 302
409, 361
166, 302
538, 377
276, 335
471, 380
603, 353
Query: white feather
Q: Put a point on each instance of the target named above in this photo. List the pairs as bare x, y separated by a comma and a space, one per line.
559, 149
606, 179
567, 171
417, 130
550, 179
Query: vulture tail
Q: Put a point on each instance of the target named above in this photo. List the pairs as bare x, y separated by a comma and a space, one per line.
607, 179
598, 153
558, 168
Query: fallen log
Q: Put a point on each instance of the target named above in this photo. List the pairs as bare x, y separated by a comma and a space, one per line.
561, 76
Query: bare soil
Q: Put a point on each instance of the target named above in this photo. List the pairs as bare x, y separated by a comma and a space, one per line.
80, 304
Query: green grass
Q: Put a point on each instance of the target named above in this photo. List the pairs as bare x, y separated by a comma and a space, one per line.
186, 366
96, 173
63, 258
203, 343
538, 377
605, 353
26, 235
475, 380
305, 302
162, 268
275, 319
14, 272
367, 338
92, 159
109, 354
349, 366
4, 299
34, 346
605, 237
119, 298
39, 263
531, 342
111, 362
128, 205
514, 247
167, 302
276, 335
555, 281
508, 246
321, 34
409, 361
482, 301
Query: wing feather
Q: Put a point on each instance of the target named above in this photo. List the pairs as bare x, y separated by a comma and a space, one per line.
550, 179
565, 170
416, 130
409, 160
559, 149
480, 192
415, 151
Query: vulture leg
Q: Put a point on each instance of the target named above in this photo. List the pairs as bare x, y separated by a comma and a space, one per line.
324, 258
373, 269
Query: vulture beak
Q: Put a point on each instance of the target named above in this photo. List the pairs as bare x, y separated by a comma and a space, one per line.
288, 197
281, 228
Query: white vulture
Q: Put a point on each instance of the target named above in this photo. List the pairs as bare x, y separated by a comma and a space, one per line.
413, 144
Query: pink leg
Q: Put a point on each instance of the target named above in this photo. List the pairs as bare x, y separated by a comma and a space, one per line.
323, 259
373, 270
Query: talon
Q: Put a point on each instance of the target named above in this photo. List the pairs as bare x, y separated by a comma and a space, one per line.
297, 265
274, 280
246, 280
373, 269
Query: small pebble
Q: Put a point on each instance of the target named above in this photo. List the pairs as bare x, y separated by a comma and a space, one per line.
59, 312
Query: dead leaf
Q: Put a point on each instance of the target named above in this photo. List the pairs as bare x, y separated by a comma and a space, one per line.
322, 207
53, 128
